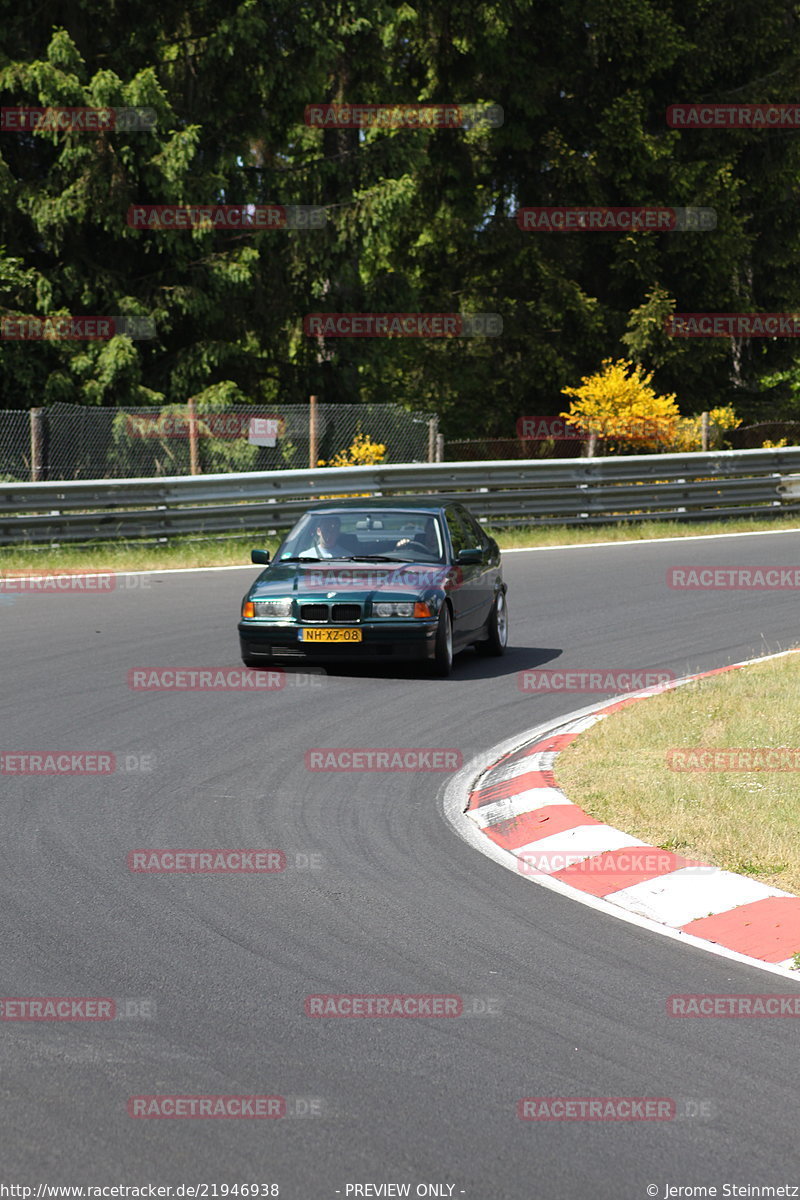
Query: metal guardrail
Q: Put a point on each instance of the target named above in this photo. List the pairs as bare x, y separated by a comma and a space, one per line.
789, 488
540, 491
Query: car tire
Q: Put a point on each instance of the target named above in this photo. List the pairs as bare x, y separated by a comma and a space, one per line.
497, 627
443, 655
254, 663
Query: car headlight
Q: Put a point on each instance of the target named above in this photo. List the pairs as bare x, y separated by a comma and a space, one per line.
394, 608
273, 608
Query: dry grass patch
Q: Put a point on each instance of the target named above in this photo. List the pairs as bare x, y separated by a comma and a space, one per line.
743, 821
130, 556
639, 531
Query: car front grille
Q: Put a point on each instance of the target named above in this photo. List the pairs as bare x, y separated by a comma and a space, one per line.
313, 612
346, 612
340, 613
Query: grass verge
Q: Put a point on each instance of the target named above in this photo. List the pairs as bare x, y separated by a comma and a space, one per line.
229, 551
741, 820
130, 556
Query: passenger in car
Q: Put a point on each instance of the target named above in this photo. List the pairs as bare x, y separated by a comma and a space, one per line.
328, 541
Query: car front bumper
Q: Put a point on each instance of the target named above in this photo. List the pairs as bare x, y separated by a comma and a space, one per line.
379, 639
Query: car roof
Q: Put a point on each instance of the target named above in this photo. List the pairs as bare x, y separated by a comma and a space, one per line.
427, 504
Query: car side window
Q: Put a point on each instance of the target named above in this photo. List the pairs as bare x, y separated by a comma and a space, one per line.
479, 537
458, 534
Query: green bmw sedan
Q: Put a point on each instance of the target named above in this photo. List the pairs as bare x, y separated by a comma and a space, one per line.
411, 579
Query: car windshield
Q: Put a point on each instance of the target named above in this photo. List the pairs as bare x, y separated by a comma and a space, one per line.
398, 535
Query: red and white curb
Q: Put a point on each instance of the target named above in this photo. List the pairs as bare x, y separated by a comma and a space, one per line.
507, 805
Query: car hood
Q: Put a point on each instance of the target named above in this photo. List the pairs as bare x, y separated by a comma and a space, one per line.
331, 579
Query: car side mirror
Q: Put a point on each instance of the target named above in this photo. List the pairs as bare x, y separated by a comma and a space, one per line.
259, 556
473, 555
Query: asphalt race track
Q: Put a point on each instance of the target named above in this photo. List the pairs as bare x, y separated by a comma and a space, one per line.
394, 903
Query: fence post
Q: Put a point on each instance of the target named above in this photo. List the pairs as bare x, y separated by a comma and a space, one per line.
704, 429
433, 429
38, 470
194, 466
312, 432
440, 447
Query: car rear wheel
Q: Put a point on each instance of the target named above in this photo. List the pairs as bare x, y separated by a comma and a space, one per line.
443, 658
497, 628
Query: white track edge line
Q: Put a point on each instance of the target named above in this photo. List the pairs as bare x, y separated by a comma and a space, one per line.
692, 537
97, 574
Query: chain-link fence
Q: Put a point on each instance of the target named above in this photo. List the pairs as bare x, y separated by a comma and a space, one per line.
15, 446
68, 441
493, 449
746, 437
752, 437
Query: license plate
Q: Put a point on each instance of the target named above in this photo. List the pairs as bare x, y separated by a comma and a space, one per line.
330, 635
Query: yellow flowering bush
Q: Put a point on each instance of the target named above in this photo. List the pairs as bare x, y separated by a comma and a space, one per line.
619, 406
688, 434
362, 452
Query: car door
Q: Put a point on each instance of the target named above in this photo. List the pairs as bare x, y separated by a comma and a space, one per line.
467, 595
485, 583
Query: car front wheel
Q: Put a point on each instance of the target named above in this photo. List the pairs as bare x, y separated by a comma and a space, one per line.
443, 657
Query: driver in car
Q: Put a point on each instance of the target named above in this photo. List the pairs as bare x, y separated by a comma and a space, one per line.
428, 539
